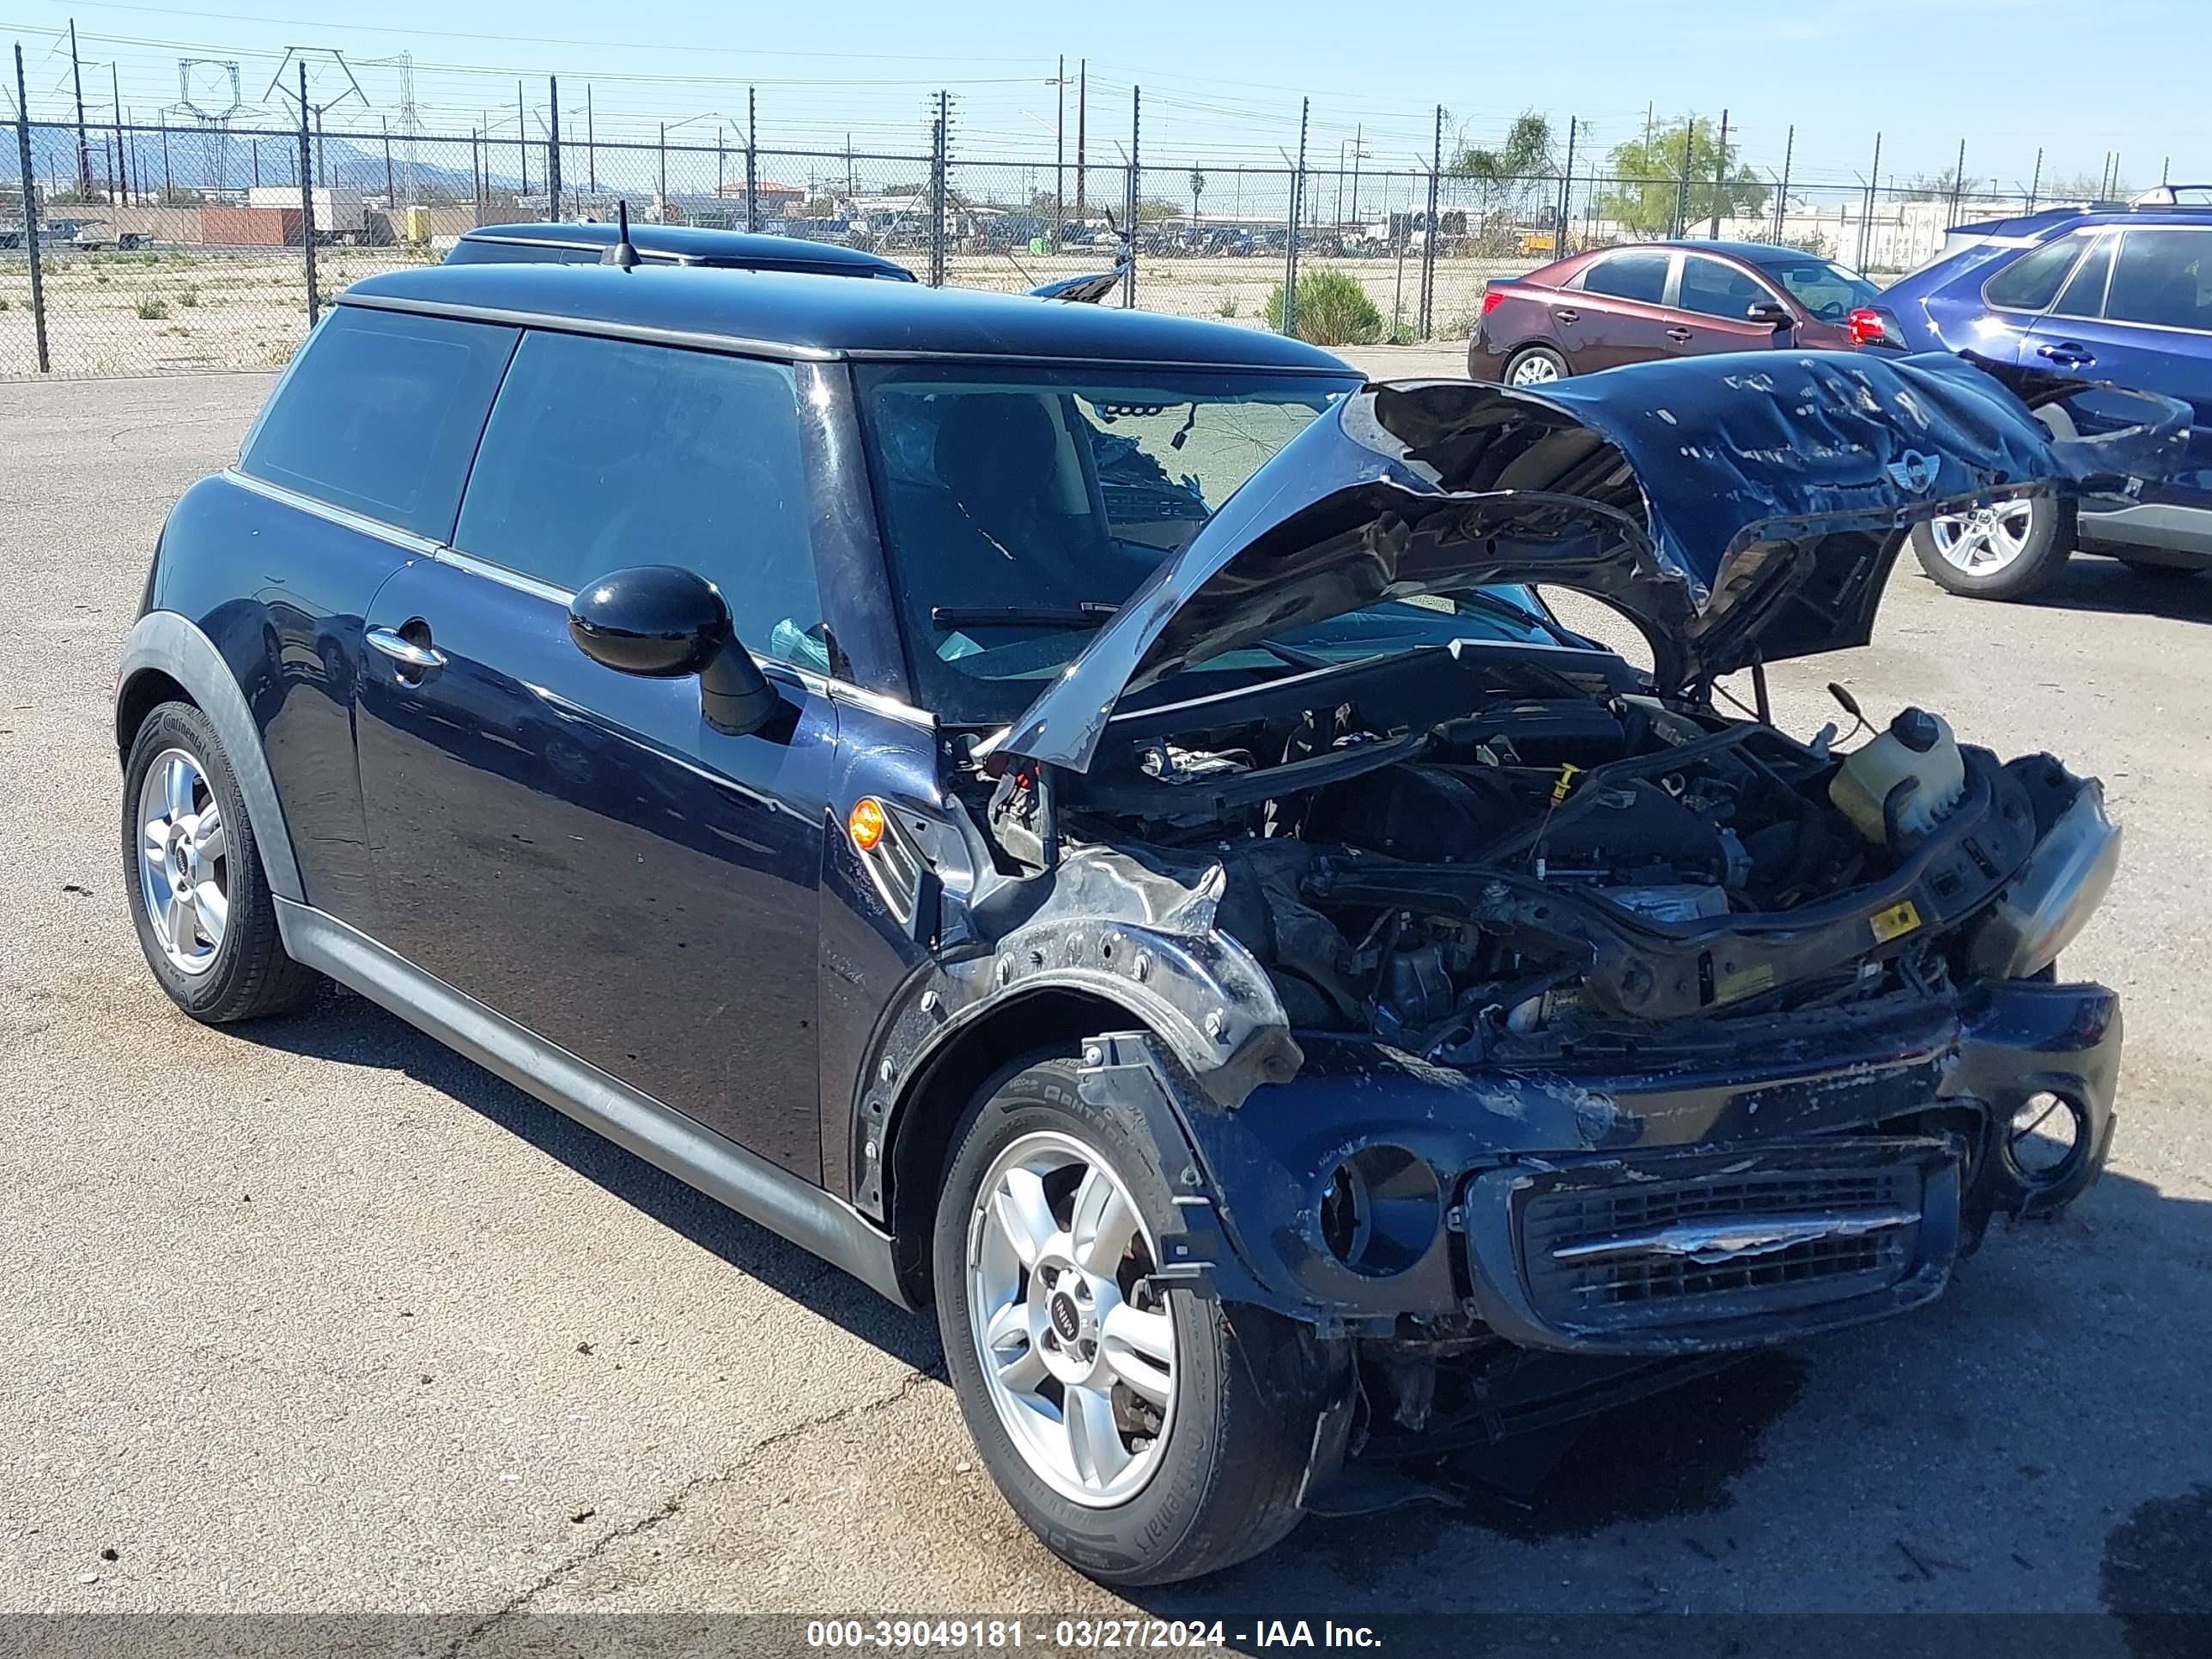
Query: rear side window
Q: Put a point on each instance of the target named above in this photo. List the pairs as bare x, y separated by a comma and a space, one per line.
2031, 281
381, 414
2163, 277
1713, 289
2084, 293
602, 454
1629, 276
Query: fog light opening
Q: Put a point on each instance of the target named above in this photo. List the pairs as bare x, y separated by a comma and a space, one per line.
1381, 1211
2047, 1137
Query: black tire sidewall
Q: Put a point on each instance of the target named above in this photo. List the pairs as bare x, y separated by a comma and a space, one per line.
2049, 541
212, 995
1136, 1541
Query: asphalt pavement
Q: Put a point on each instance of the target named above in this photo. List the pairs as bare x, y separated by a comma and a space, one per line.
313, 1315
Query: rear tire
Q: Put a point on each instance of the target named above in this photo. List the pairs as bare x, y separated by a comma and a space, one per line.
1535, 365
1217, 1482
199, 897
2010, 551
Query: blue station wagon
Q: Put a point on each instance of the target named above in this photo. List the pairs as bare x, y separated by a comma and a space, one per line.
1085, 820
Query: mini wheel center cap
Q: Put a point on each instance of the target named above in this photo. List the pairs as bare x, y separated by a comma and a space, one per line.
1067, 1317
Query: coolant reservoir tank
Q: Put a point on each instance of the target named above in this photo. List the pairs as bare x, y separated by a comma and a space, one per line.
1917, 749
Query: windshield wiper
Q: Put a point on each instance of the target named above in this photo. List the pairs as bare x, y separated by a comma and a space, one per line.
947, 617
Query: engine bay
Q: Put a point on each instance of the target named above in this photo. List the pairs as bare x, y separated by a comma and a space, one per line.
1582, 870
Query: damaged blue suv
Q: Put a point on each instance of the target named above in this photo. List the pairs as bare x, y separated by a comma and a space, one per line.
1083, 820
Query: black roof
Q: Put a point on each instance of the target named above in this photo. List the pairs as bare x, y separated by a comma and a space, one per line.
698, 245
807, 316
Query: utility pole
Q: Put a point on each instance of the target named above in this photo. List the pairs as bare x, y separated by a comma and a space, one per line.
31, 215
1567, 188
307, 204
752, 173
1129, 271
115, 91
1782, 196
83, 151
1290, 318
1720, 179
390, 195
1359, 150
522, 137
1082, 129
1866, 219
1429, 245
591, 142
553, 145
1059, 149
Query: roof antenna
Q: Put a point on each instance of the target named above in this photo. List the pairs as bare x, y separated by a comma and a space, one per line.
620, 252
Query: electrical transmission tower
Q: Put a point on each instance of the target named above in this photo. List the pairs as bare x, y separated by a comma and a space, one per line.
208, 91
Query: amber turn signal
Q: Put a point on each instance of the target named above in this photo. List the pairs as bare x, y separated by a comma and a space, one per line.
865, 824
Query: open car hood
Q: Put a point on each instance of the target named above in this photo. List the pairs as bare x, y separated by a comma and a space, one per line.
1738, 508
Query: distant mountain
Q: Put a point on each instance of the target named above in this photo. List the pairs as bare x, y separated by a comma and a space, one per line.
204, 158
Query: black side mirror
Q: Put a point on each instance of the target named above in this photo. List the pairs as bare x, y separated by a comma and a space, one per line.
1772, 312
662, 622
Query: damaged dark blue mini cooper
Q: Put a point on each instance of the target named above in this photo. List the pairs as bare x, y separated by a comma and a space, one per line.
1085, 820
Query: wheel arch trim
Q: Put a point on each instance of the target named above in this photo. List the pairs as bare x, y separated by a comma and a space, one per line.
166, 643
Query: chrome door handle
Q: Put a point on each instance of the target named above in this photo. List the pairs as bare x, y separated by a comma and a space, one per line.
2066, 355
1682, 335
1567, 314
420, 657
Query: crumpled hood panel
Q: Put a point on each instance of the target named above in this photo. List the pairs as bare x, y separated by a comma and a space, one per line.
1740, 508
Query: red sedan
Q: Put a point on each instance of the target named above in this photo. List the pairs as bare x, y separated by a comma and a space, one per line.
1631, 305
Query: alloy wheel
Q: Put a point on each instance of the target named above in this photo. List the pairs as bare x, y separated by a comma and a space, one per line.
1075, 1346
1985, 540
184, 866
1535, 369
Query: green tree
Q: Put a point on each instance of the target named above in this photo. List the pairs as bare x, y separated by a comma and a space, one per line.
1646, 195
1512, 170
1938, 187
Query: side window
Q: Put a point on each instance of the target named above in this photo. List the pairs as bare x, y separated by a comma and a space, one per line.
2163, 277
381, 414
1640, 276
2031, 281
2084, 293
1713, 289
605, 454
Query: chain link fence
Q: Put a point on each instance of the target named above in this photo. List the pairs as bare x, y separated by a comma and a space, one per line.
166, 248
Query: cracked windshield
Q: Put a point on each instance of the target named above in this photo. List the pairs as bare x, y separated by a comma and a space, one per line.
1023, 506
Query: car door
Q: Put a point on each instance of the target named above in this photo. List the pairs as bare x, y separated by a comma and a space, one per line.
1712, 299
576, 848
1617, 312
2137, 312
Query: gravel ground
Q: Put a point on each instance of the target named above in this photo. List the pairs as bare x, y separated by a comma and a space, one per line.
317, 1315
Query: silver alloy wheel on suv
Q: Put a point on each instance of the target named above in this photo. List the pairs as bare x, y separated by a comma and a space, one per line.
1081, 1373
1986, 540
182, 861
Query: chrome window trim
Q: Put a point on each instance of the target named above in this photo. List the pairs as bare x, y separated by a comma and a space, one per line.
733, 345
345, 517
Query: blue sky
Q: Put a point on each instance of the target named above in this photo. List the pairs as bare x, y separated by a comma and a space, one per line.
1225, 82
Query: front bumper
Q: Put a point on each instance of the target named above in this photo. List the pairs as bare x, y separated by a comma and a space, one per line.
1794, 1174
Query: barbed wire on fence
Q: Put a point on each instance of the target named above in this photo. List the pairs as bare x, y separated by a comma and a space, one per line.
185, 245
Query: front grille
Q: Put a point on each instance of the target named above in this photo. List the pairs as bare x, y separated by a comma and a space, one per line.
1694, 1238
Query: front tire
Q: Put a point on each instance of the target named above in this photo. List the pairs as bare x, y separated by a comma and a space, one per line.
1121, 1422
2008, 551
199, 897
